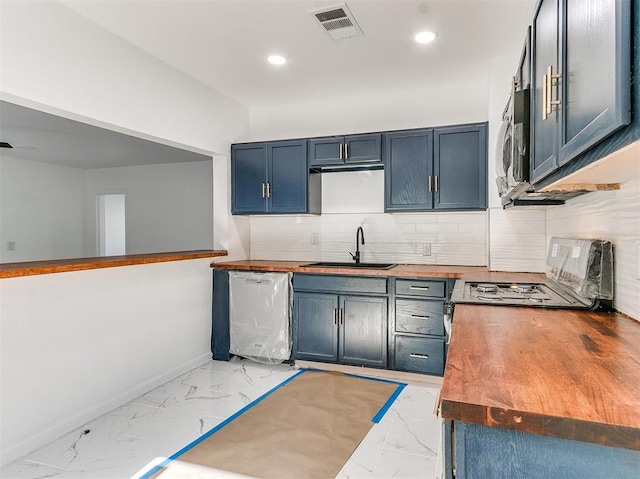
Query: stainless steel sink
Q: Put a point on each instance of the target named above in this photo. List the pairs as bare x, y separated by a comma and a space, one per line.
350, 264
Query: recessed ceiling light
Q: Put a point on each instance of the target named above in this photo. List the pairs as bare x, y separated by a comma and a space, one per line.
277, 60
425, 37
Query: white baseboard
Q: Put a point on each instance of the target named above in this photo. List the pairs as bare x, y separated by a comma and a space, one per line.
66, 425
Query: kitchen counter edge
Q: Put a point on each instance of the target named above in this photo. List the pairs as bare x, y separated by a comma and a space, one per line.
479, 273
32, 268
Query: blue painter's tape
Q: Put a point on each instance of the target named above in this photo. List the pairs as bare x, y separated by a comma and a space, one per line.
209, 433
385, 407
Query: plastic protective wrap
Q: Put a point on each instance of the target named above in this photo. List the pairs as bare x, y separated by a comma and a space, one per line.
512, 150
260, 306
584, 266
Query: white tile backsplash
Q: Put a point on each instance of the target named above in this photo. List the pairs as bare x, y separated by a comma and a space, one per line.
517, 239
613, 216
455, 238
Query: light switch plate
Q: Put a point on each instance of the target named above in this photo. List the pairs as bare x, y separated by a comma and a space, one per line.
426, 249
314, 238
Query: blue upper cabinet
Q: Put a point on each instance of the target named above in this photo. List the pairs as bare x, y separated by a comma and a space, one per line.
345, 150
460, 167
273, 178
581, 78
408, 170
441, 169
249, 178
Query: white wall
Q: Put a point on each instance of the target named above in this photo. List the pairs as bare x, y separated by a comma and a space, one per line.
111, 334
613, 216
76, 345
54, 57
169, 207
435, 105
57, 61
230, 232
41, 210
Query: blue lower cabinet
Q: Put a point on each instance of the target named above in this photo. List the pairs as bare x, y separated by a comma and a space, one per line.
345, 329
363, 331
420, 355
478, 452
315, 329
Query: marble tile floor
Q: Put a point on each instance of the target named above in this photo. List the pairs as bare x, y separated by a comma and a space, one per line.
406, 443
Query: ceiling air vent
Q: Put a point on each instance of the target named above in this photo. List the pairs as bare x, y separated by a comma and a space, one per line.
338, 22
4, 144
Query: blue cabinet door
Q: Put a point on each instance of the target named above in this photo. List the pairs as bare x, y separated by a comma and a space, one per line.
581, 79
408, 175
460, 167
315, 328
248, 178
326, 151
363, 331
544, 126
288, 176
596, 62
341, 150
363, 148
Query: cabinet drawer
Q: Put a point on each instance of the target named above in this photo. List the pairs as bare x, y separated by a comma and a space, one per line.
417, 287
420, 317
339, 284
421, 355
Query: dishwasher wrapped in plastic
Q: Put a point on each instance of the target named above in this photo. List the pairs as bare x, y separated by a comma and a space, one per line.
260, 306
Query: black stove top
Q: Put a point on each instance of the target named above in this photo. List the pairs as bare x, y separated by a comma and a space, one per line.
542, 295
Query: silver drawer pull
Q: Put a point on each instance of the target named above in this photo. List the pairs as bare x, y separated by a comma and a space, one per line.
419, 356
418, 316
420, 288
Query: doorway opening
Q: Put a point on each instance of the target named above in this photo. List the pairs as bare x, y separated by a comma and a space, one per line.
111, 225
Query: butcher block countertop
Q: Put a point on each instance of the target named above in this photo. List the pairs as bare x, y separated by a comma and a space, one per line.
565, 373
478, 273
31, 268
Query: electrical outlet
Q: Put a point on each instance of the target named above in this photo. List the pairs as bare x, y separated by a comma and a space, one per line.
426, 249
314, 238
11, 245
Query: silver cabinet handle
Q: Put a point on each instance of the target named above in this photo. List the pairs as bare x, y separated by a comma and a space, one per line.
547, 93
429, 182
420, 288
346, 151
419, 356
341, 316
341, 145
335, 316
419, 316
268, 190
264, 189
436, 183
544, 96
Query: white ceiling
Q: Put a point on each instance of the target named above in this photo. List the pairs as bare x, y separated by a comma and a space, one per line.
38, 136
224, 43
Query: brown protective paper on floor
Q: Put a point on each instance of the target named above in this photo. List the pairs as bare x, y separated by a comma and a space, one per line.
307, 429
